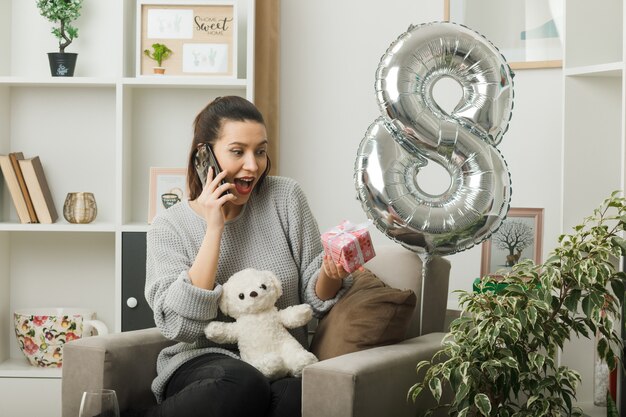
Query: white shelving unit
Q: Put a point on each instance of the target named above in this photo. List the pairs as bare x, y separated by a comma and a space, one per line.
99, 131
593, 133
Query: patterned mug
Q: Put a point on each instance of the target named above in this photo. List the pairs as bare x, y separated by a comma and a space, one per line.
42, 332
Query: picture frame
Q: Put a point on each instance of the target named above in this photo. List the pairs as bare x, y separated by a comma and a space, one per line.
519, 237
168, 186
202, 36
529, 33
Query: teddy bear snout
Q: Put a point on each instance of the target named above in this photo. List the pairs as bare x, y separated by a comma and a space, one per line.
253, 294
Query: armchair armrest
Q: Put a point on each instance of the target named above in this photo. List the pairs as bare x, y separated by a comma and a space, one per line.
125, 362
369, 383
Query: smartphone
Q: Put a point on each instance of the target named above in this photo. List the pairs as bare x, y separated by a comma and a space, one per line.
203, 160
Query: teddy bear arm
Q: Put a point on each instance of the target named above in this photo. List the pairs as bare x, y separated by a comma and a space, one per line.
296, 316
221, 332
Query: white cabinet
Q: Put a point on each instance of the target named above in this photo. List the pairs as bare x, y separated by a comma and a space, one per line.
593, 130
99, 131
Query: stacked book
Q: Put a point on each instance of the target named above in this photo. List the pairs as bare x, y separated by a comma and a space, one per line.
28, 187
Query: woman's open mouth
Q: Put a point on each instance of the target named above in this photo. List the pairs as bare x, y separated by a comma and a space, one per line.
244, 185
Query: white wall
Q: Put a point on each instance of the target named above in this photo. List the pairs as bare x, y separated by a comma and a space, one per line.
329, 55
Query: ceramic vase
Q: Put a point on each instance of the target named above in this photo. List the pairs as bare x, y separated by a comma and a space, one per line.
80, 208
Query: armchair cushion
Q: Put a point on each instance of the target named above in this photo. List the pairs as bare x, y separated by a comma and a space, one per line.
371, 383
370, 314
125, 362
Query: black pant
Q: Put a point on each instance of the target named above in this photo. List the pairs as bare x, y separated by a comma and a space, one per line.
216, 385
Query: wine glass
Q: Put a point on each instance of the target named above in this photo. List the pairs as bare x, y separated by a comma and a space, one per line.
99, 403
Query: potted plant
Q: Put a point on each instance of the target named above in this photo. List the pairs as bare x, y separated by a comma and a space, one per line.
159, 53
499, 358
62, 13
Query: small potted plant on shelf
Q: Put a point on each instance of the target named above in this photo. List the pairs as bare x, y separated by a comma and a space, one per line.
62, 13
159, 53
500, 357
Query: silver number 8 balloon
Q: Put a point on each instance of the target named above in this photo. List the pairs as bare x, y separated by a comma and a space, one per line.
414, 131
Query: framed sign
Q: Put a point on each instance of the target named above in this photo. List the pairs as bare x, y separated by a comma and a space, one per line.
167, 187
519, 237
201, 35
529, 33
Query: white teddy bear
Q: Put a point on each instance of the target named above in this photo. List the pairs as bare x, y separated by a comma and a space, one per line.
260, 329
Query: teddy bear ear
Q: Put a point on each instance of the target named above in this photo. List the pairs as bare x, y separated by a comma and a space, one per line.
276, 283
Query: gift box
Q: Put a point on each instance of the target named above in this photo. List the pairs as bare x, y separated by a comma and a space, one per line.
349, 245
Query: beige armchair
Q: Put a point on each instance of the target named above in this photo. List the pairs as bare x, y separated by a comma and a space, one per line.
369, 383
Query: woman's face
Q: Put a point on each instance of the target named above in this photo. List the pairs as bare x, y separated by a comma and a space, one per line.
241, 151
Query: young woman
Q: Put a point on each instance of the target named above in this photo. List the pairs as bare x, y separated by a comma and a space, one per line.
262, 222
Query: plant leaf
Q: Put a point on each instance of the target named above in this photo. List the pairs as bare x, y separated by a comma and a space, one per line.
510, 362
621, 243
571, 301
537, 360
461, 393
420, 366
587, 306
415, 391
611, 408
481, 401
515, 289
603, 347
617, 285
532, 315
435, 387
463, 412
610, 360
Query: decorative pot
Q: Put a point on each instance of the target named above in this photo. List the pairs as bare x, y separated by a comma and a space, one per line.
41, 333
158, 70
80, 208
62, 64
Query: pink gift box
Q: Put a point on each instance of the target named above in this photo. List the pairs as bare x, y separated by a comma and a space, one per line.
349, 245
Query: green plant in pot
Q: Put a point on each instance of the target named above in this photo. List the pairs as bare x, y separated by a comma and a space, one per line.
499, 358
62, 13
159, 53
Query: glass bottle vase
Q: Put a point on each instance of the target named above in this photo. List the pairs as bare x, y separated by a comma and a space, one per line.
601, 375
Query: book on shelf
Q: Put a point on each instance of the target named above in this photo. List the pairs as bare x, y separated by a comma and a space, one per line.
33, 173
15, 157
10, 178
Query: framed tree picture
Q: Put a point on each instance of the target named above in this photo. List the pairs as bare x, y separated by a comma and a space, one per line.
201, 35
519, 237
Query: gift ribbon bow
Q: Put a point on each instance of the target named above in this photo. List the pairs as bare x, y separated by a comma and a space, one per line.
344, 229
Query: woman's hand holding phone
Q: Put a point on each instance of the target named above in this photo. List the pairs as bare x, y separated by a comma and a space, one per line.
209, 205
213, 197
